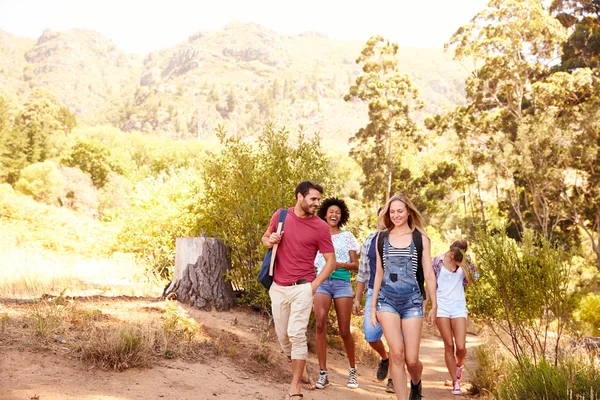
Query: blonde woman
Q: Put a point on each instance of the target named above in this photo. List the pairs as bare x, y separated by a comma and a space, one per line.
403, 269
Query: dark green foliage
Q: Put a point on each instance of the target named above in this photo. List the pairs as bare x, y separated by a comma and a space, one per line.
244, 185
92, 158
44, 122
12, 146
582, 48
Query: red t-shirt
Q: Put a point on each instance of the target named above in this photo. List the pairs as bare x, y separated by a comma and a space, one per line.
302, 238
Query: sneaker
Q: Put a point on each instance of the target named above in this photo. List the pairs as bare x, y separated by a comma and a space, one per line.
323, 379
456, 387
382, 369
352, 379
390, 386
415, 391
459, 371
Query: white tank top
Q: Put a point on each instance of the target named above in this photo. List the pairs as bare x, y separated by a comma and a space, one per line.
450, 287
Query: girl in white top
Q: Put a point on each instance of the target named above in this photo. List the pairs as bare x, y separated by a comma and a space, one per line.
453, 271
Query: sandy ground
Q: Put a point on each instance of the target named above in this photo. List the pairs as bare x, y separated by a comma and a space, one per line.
27, 374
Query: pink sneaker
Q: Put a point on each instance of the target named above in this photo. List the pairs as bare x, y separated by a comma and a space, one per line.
456, 387
459, 371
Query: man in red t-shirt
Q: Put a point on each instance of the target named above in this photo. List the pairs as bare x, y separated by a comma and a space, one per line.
294, 280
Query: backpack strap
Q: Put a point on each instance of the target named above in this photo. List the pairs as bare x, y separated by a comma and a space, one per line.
282, 215
381, 236
418, 240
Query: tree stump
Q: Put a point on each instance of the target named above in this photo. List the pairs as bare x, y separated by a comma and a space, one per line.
201, 265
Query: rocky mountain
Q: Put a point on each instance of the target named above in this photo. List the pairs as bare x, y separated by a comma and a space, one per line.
83, 68
241, 76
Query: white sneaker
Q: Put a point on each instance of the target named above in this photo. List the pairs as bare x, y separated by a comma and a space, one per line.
323, 379
352, 379
456, 387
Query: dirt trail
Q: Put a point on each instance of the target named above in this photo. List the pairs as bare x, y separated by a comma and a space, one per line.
26, 374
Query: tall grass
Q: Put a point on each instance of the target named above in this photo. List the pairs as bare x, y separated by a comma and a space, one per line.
576, 376
28, 273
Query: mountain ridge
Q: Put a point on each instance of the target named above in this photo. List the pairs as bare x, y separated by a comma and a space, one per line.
240, 76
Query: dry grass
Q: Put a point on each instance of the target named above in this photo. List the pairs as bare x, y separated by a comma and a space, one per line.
28, 273
83, 331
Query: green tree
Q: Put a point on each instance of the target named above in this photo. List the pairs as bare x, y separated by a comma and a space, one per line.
92, 158
513, 42
582, 18
12, 146
244, 185
44, 121
391, 99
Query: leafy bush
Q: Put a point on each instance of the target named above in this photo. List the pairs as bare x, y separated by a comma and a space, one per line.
244, 185
162, 209
522, 293
43, 181
589, 312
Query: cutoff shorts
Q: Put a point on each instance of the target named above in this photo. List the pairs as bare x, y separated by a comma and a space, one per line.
408, 308
336, 288
452, 310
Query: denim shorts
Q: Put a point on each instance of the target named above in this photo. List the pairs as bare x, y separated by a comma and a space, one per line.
336, 288
371, 334
411, 307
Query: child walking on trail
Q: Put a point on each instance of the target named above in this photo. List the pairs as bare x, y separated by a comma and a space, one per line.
453, 271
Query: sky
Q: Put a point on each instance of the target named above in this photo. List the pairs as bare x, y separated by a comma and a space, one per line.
140, 27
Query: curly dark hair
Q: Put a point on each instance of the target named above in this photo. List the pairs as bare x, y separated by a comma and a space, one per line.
334, 201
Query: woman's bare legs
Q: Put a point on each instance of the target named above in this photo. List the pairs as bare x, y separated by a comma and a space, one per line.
322, 303
343, 310
411, 329
391, 326
453, 331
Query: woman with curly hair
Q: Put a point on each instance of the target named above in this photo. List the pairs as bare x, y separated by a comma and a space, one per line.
335, 212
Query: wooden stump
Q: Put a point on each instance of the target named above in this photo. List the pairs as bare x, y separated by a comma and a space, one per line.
201, 265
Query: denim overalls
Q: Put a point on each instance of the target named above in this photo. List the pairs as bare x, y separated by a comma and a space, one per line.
400, 291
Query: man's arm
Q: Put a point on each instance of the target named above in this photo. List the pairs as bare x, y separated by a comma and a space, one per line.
360, 288
325, 272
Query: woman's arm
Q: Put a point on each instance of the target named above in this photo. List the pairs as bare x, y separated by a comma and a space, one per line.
352, 265
430, 280
376, 284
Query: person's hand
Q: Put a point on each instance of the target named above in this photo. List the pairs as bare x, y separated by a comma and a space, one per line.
374, 317
314, 287
275, 238
356, 306
431, 317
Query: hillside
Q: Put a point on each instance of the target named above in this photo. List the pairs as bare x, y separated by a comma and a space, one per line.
241, 76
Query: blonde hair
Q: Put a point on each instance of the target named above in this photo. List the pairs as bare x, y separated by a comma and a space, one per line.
415, 221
